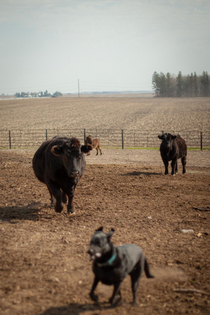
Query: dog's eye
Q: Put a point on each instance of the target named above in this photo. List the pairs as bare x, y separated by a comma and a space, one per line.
97, 242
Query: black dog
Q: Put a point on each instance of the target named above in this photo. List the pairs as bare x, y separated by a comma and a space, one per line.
112, 264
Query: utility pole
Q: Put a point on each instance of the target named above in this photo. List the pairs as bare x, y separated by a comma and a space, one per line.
78, 89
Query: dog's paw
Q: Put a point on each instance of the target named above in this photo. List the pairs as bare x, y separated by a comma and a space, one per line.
93, 297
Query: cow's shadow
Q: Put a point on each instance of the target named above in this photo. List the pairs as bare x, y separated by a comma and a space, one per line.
28, 212
134, 173
76, 309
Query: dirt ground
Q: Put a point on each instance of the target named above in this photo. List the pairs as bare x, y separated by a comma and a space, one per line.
44, 267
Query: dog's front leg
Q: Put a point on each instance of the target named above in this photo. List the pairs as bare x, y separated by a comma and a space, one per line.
116, 296
92, 295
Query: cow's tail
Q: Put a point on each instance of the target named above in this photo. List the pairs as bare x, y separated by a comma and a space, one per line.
146, 269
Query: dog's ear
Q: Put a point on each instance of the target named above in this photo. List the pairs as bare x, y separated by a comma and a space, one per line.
100, 229
108, 235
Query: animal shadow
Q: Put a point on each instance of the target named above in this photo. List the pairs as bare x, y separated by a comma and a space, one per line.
29, 212
76, 309
134, 173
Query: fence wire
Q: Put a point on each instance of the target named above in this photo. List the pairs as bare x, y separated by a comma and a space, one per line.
113, 138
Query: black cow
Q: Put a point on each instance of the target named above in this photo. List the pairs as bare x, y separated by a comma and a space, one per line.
60, 163
173, 148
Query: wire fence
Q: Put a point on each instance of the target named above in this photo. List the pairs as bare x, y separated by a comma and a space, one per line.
112, 138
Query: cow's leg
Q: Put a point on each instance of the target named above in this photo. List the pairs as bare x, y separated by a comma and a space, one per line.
100, 151
64, 198
96, 151
51, 198
70, 206
56, 192
176, 167
166, 166
173, 165
184, 164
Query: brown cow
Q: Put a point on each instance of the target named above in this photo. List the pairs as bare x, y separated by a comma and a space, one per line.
95, 143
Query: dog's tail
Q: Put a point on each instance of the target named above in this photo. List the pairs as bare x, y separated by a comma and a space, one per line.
146, 269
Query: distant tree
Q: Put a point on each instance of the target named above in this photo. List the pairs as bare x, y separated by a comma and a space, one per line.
57, 94
180, 84
47, 94
186, 86
34, 94
17, 94
191, 89
163, 86
23, 94
189, 85
156, 83
205, 84
195, 85
169, 85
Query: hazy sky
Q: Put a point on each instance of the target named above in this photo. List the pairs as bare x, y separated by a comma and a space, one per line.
106, 44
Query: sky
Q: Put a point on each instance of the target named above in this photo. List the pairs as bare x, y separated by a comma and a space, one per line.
100, 45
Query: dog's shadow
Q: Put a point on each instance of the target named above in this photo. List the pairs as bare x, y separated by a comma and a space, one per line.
75, 309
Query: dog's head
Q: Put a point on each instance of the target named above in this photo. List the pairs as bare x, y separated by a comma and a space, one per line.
100, 244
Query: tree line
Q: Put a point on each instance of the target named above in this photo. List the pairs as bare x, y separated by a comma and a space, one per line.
191, 85
38, 94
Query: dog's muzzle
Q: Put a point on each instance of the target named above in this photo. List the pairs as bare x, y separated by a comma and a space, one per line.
93, 254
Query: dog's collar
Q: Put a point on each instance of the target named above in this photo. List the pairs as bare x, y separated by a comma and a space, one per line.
108, 262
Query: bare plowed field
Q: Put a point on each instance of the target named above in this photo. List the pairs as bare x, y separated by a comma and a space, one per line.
44, 267
107, 113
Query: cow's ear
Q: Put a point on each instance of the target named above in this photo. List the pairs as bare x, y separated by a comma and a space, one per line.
161, 136
108, 235
86, 148
100, 229
173, 137
57, 150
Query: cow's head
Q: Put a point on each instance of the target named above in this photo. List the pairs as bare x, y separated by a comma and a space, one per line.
167, 140
72, 154
88, 140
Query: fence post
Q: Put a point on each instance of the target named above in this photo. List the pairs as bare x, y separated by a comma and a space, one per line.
10, 142
84, 135
201, 141
122, 140
46, 134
